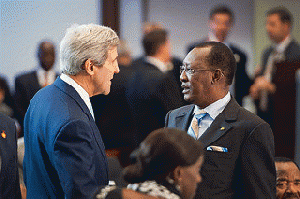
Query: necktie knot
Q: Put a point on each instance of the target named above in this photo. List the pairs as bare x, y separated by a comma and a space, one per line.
200, 116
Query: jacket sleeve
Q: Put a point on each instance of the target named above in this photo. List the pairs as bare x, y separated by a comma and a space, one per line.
257, 163
74, 160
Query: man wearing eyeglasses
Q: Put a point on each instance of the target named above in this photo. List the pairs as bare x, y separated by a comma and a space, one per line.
288, 178
239, 159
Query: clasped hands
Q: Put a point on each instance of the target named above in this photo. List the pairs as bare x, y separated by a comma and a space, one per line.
261, 84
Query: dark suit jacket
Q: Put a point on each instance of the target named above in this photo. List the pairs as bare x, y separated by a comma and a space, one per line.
291, 53
9, 174
64, 152
112, 114
9, 101
151, 94
26, 86
247, 170
242, 81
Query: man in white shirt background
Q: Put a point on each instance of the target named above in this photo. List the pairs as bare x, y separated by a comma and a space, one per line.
29, 83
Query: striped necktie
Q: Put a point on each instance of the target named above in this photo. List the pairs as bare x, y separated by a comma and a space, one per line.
195, 125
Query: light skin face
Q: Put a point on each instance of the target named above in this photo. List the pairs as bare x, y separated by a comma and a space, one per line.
101, 79
276, 29
220, 26
288, 180
188, 178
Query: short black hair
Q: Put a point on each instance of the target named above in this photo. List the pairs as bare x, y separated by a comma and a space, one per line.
153, 40
284, 15
221, 9
40, 48
285, 160
220, 57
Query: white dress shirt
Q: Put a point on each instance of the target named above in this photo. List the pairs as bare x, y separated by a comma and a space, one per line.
213, 111
159, 64
51, 76
82, 93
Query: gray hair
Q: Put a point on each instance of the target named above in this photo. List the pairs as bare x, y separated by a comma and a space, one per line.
82, 42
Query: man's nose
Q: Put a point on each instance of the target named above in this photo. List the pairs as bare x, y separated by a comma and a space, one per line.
183, 77
292, 188
117, 69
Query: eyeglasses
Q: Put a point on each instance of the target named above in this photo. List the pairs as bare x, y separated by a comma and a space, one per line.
191, 71
284, 184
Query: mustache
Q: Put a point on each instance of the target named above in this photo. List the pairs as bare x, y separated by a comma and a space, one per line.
291, 195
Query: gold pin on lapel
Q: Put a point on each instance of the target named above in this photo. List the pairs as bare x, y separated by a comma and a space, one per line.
222, 128
3, 134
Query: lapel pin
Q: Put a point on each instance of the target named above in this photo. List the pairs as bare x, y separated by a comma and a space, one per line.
222, 128
3, 134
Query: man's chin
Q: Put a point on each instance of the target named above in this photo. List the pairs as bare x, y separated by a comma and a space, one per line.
187, 98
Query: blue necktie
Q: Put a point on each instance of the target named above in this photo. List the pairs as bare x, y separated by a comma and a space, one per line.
194, 127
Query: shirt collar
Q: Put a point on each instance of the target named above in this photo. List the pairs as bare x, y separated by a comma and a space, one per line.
215, 108
82, 93
280, 47
41, 76
159, 64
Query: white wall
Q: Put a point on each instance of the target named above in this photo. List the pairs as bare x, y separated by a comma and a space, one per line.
131, 25
25, 23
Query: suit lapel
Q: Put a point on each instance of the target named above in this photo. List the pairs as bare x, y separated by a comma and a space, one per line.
69, 90
184, 119
222, 124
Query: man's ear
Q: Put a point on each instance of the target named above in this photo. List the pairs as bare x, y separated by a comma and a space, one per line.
88, 67
216, 76
177, 174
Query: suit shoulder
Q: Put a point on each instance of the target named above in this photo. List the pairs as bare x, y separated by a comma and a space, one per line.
25, 75
294, 48
5, 119
182, 109
250, 117
236, 50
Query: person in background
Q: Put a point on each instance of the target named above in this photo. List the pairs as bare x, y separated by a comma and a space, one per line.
167, 165
279, 25
239, 146
288, 178
153, 89
29, 83
9, 174
64, 152
4, 93
221, 21
112, 113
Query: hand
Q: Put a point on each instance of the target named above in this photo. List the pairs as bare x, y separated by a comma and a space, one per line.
23, 191
254, 91
257, 70
263, 84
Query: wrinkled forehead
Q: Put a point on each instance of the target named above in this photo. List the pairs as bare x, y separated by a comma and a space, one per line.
287, 171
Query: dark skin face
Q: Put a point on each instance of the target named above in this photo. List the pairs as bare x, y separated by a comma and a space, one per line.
288, 180
47, 56
205, 85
